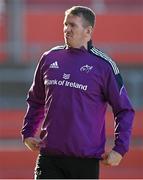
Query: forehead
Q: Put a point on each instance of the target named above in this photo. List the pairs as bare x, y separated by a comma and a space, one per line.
73, 18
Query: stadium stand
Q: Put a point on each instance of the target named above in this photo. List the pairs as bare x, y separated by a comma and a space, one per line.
2, 39
105, 32
56, 2
120, 34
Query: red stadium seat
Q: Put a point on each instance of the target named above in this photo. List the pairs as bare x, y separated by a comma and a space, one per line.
112, 29
57, 2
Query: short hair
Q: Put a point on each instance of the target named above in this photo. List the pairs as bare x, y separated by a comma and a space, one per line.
83, 11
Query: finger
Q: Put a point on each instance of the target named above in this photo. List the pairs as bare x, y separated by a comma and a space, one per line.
112, 162
104, 159
32, 143
115, 164
36, 145
108, 161
33, 146
104, 162
104, 156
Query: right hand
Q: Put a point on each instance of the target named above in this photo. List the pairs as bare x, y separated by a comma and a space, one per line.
112, 158
32, 143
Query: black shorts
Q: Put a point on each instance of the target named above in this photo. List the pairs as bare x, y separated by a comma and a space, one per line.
57, 167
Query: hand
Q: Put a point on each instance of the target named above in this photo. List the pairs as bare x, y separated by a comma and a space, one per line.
32, 143
112, 158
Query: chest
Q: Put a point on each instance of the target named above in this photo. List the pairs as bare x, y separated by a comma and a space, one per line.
75, 72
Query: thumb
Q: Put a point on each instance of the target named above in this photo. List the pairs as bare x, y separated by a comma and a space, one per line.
104, 156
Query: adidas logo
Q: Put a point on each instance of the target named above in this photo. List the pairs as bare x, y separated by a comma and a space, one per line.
54, 65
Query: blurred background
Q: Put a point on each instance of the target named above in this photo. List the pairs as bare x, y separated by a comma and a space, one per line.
30, 27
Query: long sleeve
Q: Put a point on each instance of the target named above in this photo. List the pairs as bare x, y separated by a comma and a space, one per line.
123, 112
36, 101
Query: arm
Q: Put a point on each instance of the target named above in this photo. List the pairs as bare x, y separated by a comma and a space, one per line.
35, 111
117, 97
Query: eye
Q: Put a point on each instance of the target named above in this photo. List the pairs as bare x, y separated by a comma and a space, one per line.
72, 24
65, 24
69, 24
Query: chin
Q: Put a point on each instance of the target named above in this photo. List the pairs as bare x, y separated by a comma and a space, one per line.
68, 43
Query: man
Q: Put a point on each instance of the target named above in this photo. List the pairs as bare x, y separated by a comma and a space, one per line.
69, 95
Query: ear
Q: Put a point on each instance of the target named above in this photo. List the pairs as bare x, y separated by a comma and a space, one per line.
89, 30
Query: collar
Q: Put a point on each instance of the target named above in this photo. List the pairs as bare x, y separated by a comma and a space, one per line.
82, 48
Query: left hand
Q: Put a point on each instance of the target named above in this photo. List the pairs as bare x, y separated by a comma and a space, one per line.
32, 143
112, 158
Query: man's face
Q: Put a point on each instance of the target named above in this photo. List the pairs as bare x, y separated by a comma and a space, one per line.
74, 31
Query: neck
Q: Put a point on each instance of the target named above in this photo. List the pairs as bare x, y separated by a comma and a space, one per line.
86, 45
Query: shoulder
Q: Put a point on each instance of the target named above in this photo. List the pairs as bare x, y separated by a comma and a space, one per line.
105, 59
56, 48
45, 56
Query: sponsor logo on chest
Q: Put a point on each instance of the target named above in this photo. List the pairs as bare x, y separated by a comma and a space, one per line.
65, 81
